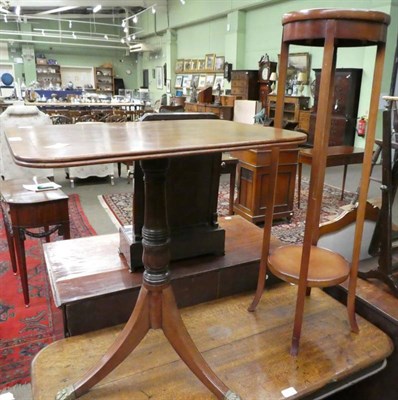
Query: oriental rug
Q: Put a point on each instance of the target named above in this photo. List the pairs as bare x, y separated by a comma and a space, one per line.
119, 208
24, 331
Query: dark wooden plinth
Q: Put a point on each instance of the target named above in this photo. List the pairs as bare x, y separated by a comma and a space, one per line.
249, 351
92, 284
207, 239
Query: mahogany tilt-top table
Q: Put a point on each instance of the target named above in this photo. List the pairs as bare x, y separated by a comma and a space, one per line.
153, 144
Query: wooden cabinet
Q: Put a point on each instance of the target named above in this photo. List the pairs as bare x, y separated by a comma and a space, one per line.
244, 84
291, 107
304, 120
104, 80
253, 182
223, 112
347, 86
48, 76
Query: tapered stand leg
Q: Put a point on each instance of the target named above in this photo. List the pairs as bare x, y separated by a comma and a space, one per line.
269, 202
156, 307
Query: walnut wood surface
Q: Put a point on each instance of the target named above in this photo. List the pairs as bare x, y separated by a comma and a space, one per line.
84, 144
248, 351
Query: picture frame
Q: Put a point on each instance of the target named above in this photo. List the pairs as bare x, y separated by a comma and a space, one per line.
194, 64
187, 65
219, 79
186, 81
168, 85
195, 80
209, 80
179, 67
298, 63
219, 63
201, 64
202, 81
178, 82
159, 77
209, 62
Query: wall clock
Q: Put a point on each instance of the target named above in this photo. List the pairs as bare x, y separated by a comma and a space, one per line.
264, 69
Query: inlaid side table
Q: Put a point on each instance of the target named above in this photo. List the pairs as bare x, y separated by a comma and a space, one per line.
24, 210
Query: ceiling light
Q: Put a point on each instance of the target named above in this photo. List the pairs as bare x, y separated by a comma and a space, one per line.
122, 40
133, 37
97, 8
126, 29
70, 24
5, 18
106, 37
73, 35
135, 19
42, 32
123, 23
18, 10
57, 10
182, 2
153, 10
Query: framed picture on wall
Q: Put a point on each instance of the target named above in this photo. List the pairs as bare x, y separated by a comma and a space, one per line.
159, 77
209, 80
179, 66
202, 81
298, 63
194, 65
219, 64
195, 80
178, 82
201, 64
209, 62
219, 80
187, 65
186, 81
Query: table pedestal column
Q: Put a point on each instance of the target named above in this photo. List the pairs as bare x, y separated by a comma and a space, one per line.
156, 307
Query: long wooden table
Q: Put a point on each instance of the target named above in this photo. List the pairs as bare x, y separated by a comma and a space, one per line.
153, 143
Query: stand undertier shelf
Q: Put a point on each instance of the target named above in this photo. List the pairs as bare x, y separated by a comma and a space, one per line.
326, 268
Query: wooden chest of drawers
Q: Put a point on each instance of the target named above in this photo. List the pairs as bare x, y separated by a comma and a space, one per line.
244, 84
223, 112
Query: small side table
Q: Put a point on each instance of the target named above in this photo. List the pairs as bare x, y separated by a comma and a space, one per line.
23, 209
336, 155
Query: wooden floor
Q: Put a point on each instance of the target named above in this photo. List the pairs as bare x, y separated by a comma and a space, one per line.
249, 351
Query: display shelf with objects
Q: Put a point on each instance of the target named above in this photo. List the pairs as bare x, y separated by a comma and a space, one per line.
104, 80
292, 107
48, 76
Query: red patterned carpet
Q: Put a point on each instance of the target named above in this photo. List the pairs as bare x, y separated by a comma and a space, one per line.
25, 331
119, 206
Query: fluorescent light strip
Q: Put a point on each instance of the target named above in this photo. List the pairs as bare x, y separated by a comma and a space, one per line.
3, 10
18, 10
57, 10
77, 32
97, 8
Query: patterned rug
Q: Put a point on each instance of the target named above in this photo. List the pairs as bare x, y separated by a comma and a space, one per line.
119, 208
25, 331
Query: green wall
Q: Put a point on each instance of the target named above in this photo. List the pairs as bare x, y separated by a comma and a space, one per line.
240, 30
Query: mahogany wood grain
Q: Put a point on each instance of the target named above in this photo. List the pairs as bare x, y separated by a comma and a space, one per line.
86, 144
330, 29
248, 351
153, 143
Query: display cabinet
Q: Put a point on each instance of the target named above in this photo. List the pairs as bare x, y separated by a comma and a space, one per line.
291, 107
347, 86
48, 75
104, 80
244, 84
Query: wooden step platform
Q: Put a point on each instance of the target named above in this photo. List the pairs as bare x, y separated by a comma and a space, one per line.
248, 351
92, 284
